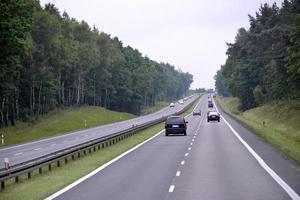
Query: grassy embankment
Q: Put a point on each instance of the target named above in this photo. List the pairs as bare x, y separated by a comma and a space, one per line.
41, 186
281, 129
61, 121
159, 105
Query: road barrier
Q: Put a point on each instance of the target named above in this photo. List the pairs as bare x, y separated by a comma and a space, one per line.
56, 158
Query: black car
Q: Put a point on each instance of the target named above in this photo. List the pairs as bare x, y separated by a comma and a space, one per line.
213, 116
175, 125
210, 104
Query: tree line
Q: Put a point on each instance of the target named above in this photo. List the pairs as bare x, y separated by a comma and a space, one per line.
50, 60
263, 63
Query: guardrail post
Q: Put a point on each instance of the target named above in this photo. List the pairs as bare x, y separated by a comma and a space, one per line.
99, 147
94, 148
73, 157
84, 152
50, 167
17, 179
66, 160
58, 163
2, 185
29, 175
40, 170
78, 155
90, 151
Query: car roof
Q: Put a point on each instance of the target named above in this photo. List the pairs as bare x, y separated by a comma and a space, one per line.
175, 117
213, 113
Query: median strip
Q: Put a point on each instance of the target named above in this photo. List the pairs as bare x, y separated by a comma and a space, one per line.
42, 186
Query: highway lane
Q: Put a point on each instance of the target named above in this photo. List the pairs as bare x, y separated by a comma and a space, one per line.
32, 150
209, 163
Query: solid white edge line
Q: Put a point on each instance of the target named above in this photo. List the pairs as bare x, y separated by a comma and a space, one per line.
56, 194
99, 169
273, 174
171, 189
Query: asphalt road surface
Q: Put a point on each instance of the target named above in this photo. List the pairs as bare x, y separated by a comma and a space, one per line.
32, 150
210, 163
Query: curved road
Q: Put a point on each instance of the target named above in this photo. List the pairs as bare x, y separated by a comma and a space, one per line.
210, 163
32, 150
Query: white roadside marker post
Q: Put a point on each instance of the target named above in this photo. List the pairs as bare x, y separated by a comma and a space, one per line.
6, 164
2, 139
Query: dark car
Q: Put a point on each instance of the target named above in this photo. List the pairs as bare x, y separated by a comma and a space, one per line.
213, 116
210, 104
197, 112
175, 125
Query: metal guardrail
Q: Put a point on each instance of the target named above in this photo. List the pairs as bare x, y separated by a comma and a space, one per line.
75, 151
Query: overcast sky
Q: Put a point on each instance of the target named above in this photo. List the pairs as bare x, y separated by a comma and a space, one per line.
189, 34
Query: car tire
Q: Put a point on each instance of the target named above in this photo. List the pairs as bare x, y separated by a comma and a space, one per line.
184, 133
207, 120
167, 134
219, 120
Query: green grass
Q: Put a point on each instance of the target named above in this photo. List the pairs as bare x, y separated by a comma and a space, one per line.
281, 129
41, 186
61, 121
44, 185
159, 105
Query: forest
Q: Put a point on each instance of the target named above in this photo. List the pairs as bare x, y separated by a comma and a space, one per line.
49, 60
263, 63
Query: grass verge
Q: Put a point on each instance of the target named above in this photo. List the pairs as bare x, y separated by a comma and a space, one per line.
281, 128
41, 186
159, 105
61, 121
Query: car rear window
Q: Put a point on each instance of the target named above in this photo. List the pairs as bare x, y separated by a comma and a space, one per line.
175, 120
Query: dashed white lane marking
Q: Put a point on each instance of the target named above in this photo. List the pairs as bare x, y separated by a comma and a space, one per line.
193, 140
190, 148
37, 149
17, 154
172, 187
182, 162
191, 143
178, 173
187, 154
56, 194
284, 185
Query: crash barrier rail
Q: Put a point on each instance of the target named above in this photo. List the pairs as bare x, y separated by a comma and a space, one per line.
75, 151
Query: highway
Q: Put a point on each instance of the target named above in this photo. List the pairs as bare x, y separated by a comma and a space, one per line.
210, 163
21, 153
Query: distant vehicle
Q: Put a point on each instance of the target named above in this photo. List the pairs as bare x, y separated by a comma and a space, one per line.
210, 104
175, 125
172, 104
197, 112
180, 101
213, 116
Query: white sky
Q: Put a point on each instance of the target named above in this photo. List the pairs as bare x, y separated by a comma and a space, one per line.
189, 34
